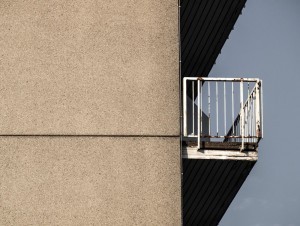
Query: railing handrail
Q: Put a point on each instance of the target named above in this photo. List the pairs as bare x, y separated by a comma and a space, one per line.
222, 79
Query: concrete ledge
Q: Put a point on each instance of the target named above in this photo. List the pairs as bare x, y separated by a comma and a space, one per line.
194, 153
211, 145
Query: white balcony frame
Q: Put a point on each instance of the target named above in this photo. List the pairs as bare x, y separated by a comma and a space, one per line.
247, 126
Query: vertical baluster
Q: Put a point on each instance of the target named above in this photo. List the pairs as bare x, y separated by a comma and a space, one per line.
232, 107
245, 110
217, 109
193, 107
250, 118
209, 133
248, 107
198, 112
258, 112
242, 120
262, 109
254, 115
224, 108
184, 107
253, 123
201, 109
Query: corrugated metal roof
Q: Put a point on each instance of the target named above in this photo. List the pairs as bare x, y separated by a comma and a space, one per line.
205, 26
209, 186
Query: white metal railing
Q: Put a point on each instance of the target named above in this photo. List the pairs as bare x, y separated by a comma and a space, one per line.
222, 109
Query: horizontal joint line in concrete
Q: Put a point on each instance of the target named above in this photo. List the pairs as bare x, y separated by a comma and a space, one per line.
82, 135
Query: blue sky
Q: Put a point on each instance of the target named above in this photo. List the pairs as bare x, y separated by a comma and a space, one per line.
266, 44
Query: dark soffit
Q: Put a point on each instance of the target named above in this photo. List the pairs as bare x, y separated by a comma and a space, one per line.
209, 186
205, 26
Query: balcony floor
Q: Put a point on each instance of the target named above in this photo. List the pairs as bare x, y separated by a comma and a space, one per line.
218, 150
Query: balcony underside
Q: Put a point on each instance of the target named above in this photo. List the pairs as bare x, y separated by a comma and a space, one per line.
210, 185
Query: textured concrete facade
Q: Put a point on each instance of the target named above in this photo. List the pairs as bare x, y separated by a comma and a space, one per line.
79, 67
89, 181
102, 78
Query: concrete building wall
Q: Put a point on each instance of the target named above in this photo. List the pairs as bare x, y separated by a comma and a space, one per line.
89, 67
108, 69
89, 181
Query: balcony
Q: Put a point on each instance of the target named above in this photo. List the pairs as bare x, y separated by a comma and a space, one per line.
222, 126
224, 112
